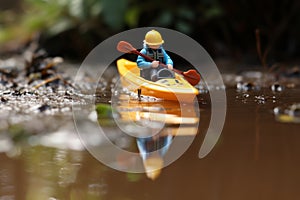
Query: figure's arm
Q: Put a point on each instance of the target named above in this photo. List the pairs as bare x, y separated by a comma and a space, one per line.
141, 62
168, 60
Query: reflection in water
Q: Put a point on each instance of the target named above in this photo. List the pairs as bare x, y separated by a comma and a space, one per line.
55, 165
155, 124
152, 150
157, 114
32, 171
48, 173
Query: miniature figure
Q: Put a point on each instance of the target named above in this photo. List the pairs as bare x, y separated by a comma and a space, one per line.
154, 64
153, 48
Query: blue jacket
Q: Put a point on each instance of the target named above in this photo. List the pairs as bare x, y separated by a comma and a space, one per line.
144, 63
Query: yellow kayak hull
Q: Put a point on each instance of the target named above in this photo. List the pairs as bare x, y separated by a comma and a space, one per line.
177, 89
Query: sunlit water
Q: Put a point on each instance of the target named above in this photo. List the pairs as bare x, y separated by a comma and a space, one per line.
256, 157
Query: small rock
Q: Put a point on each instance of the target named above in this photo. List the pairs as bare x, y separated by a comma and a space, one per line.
246, 86
276, 87
44, 107
295, 110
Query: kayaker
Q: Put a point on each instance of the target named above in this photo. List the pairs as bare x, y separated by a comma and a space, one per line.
153, 48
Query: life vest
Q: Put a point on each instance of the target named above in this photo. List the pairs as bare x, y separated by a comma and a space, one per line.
156, 54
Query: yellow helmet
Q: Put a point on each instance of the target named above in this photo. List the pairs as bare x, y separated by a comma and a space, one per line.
153, 38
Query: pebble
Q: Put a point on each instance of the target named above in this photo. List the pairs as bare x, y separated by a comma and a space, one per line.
246, 95
288, 114
246, 86
260, 99
276, 87
295, 110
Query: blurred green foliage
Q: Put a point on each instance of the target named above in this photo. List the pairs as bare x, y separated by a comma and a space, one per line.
104, 110
17, 133
53, 17
224, 28
98, 19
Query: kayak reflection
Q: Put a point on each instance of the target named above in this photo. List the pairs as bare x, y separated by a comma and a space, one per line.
155, 125
148, 113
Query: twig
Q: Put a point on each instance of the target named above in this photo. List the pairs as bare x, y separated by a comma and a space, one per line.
262, 57
66, 82
49, 80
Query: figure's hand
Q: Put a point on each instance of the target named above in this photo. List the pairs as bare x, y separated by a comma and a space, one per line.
170, 67
155, 64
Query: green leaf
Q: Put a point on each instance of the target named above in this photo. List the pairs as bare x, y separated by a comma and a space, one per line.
76, 8
134, 177
164, 19
62, 25
104, 110
186, 13
132, 17
96, 9
183, 26
114, 13
214, 11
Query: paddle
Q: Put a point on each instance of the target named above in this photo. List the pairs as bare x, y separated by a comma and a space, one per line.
191, 75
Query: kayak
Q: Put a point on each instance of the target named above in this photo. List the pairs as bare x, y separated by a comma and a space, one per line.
175, 89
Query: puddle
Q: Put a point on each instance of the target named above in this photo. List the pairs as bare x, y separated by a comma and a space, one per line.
256, 157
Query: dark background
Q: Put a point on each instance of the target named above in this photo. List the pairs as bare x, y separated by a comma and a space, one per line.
224, 28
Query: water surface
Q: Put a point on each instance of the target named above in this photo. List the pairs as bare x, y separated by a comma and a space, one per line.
256, 157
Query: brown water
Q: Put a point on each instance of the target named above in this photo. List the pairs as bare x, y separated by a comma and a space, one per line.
256, 157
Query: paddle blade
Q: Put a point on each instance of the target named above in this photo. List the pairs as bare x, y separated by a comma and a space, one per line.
125, 47
192, 76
